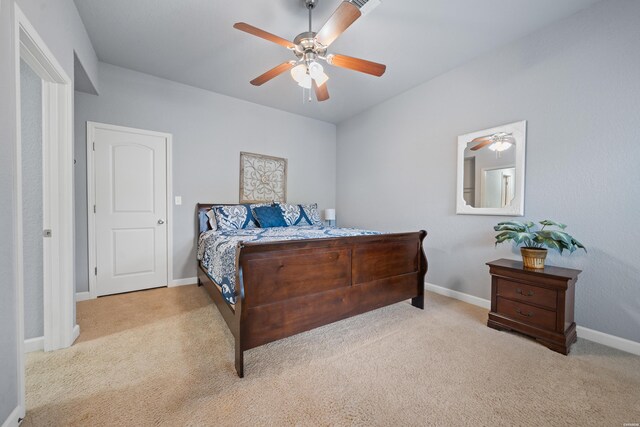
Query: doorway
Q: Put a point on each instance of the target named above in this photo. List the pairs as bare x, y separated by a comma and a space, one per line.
128, 173
32, 206
49, 251
498, 187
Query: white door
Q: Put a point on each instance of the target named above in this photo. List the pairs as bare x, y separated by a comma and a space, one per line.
131, 210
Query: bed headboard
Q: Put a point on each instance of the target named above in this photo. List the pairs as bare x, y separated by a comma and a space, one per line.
203, 207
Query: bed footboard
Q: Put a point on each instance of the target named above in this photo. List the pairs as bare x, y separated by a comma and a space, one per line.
284, 288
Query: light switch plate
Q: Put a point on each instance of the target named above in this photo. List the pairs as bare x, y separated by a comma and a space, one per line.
178, 200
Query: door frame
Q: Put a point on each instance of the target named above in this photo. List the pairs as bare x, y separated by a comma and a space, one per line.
91, 198
60, 329
483, 179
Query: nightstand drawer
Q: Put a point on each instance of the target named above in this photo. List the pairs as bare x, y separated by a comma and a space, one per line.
534, 316
528, 294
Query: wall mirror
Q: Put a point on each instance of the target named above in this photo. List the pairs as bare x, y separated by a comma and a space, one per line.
491, 171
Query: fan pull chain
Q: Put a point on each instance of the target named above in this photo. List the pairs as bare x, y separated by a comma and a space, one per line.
306, 95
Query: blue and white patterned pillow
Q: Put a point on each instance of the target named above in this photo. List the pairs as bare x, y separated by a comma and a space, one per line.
300, 214
236, 217
311, 213
291, 213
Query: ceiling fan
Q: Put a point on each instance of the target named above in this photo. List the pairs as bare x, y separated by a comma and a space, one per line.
500, 141
310, 47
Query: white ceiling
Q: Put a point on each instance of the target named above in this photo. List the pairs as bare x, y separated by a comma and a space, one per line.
193, 42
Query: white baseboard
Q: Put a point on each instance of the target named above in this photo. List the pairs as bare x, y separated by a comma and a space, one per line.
612, 341
480, 302
33, 344
609, 340
76, 334
14, 416
83, 296
182, 282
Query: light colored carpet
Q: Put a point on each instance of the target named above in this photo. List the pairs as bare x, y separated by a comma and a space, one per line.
165, 357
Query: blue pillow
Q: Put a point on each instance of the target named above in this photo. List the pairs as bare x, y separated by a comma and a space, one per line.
269, 216
203, 221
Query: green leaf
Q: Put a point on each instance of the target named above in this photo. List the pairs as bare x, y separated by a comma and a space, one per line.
559, 236
548, 222
511, 226
552, 244
504, 236
519, 238
578, 244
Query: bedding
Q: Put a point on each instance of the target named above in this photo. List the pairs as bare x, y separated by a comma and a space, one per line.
300, 214
203, 221
269, 216
311, 213
217, 248
233, 217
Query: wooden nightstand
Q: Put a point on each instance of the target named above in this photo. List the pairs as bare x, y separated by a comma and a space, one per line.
537, 303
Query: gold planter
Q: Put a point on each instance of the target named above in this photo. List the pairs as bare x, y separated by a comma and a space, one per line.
533, 258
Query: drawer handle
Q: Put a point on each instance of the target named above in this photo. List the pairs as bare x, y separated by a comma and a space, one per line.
523, 314
519, 291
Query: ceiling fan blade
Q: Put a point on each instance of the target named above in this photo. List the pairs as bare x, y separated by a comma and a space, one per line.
345, 15
274, 72
242, 26
322, 92
481, 138
356, 64
482, 144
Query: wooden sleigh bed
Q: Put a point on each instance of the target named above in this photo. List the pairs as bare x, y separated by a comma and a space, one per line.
287, 287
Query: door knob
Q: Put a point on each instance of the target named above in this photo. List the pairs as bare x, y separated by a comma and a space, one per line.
161, 221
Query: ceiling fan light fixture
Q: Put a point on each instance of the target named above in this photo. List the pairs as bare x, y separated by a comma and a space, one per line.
299, 72
305, 82
500, 146
321, 79
309, 47
315, 70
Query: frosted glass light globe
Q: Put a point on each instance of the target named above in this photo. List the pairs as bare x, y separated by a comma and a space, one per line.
315, 70
321, 79
305, 82
298, 72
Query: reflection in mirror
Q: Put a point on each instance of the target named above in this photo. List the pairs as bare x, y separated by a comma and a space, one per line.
491, 171
489, 176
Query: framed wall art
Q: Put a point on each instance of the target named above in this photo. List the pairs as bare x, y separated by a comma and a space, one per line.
262, 178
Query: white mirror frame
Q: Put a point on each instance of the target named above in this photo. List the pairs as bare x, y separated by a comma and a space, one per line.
519, 131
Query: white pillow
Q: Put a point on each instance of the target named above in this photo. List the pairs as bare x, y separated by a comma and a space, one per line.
212, 219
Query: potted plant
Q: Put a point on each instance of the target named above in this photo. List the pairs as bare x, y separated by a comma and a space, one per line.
534, 243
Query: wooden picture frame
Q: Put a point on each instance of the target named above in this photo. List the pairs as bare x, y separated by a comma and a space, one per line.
262, 178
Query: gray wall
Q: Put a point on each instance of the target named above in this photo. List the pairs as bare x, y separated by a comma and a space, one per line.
31, 118
577, 84
8, 310
209, 131
60, 26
